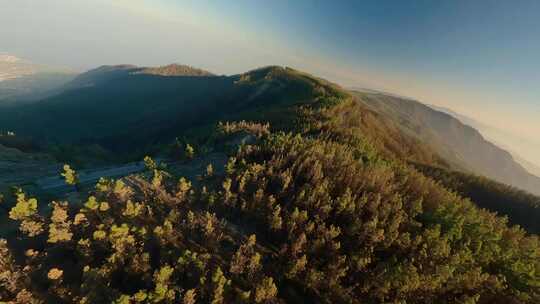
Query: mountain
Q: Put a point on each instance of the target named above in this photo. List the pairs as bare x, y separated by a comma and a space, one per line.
532, 168
318, 197
100, 75
107, 73
110, 104
174, 70
463, 146
113, 100
521, 207
107, 105
464, 119
498, 137
24, 81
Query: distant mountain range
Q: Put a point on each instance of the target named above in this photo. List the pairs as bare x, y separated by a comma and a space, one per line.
457, 142
319, 195
497, 136
23, 81
107, 73
121, 113
109, 105
128, 108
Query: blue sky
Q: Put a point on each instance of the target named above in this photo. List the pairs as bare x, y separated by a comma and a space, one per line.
480, 58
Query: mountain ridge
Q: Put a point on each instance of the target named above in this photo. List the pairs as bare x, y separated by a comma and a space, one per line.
456, 141
313, 200
173, 89
491, 133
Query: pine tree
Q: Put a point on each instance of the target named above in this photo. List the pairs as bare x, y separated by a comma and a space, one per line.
189, 151
71, 177
209, 170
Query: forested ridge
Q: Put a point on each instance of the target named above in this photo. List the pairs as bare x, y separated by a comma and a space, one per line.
319, 206
463, 147
520, 207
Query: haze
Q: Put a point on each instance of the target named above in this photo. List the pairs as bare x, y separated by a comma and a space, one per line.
478, 58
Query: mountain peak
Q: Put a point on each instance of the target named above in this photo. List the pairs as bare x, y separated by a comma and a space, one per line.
175, 70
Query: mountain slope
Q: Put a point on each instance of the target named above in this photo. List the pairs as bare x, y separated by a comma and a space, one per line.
500, 138
110, 104
462, 145
108, 73
106, 106
529, 166
522, 208
112, 100
325, 213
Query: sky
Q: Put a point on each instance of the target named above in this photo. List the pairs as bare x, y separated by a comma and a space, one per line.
479, 58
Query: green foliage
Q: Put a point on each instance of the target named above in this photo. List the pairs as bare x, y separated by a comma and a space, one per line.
140, 243
520, 207
324, 214
253, 128
70, 176
119, 124
462, 147
149, 163
189, 151
12, 277
266, 291
24, 207
219, 282
92, 203
190, 297
59, 228
402, 220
